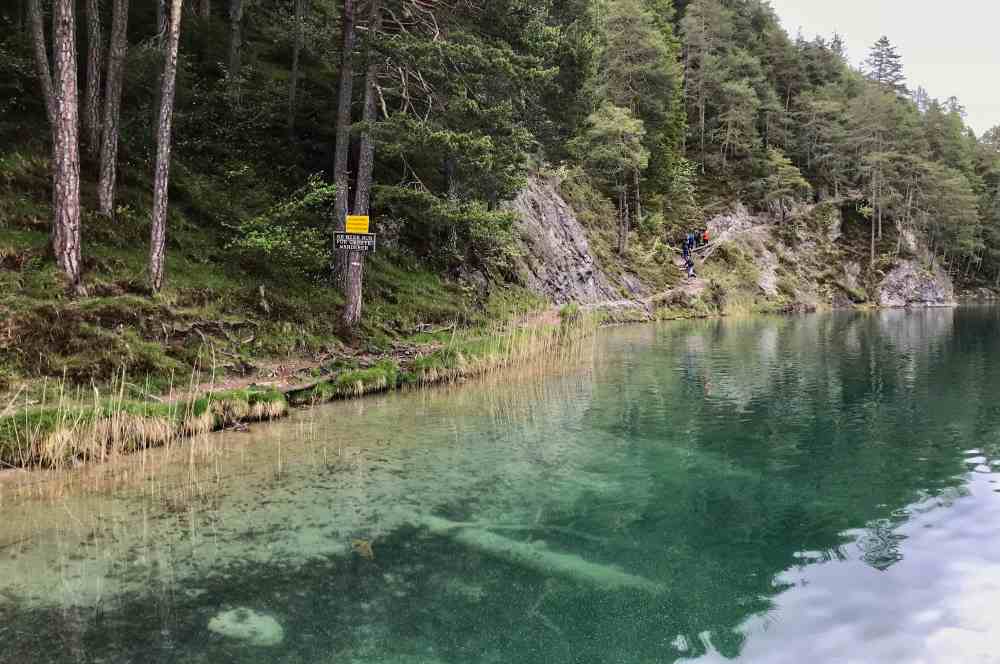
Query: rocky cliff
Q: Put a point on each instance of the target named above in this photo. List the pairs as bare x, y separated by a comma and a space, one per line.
910, 284
813, 259
808, 262
556, 259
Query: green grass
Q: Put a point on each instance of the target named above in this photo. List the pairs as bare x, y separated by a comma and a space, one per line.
67, 430
471, 352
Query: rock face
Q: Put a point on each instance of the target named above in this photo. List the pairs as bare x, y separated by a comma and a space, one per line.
557, 261
731, 224
910, 284
248, 626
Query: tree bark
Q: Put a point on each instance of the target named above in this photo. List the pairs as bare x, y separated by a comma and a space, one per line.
342, 150
42, 70
161, 177
92, 94
622, 218
161, 21
293, 83
235, 36
112, 107
638, 200
366, 169
65, 146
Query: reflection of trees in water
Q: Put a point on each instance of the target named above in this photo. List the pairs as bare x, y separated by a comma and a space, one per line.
765, 438
709, 456
880, 544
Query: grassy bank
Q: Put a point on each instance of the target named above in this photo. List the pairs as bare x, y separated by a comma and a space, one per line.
66, 431
64, 428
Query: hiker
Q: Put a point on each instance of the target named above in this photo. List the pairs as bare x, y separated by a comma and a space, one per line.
689, 264
704, 237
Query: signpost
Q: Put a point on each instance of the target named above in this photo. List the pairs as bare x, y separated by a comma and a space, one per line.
357, 237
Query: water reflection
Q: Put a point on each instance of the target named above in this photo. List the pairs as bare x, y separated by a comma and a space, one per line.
815, 487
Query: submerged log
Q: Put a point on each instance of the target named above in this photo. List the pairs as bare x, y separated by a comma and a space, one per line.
565, 565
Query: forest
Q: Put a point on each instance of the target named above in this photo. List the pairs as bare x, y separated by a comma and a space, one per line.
164, 158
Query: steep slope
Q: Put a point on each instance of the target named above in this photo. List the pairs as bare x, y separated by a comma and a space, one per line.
556, 259
816, 258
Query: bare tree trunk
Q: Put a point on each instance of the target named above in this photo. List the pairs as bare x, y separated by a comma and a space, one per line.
112, 107
366, 169
161, 178
872, 262
622, 218
293, 82
65, 146
638, 200
451, 177
205, 9
235, 36
161, 21
342, 151
39, 42
92, 94
626, 216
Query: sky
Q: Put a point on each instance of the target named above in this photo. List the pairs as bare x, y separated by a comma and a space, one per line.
950, 48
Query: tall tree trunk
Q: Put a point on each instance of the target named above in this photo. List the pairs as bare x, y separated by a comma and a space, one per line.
161, 21
92, 94
112, 107
638, 199
293, 82
161, 177
622, 217
65, 145
235, 36
342, 150
366, 169
205, 9
40, 48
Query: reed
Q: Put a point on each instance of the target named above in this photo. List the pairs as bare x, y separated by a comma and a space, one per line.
65, 429
543, 342
70, 431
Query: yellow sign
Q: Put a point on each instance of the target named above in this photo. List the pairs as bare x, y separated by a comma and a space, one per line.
357, 224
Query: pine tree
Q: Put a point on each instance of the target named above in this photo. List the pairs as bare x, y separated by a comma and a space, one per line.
114, 81
885, 66
784, 184
91, 111
161, 176
611, 150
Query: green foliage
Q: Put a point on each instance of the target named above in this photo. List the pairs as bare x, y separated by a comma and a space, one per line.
784, 184
610, 147
569, 312
291, 237
445, 232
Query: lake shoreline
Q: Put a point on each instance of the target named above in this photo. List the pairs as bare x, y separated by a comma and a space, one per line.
534, 335
39, 438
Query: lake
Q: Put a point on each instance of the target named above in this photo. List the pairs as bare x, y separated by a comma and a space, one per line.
819, 488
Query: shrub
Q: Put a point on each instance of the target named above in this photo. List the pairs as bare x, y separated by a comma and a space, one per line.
290, 237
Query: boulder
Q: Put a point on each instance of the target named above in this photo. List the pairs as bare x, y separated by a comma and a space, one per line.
248, 626
910, 284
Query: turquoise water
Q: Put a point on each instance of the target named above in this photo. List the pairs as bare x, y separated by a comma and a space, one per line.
820, 488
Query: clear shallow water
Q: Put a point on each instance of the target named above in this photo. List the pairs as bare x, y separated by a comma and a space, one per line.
820, 488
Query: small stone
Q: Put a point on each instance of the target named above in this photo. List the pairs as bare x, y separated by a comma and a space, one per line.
255, 629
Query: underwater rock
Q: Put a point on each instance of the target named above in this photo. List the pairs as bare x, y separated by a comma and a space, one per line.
255, 629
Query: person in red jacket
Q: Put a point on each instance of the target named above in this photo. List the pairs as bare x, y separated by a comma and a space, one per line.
704, 237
